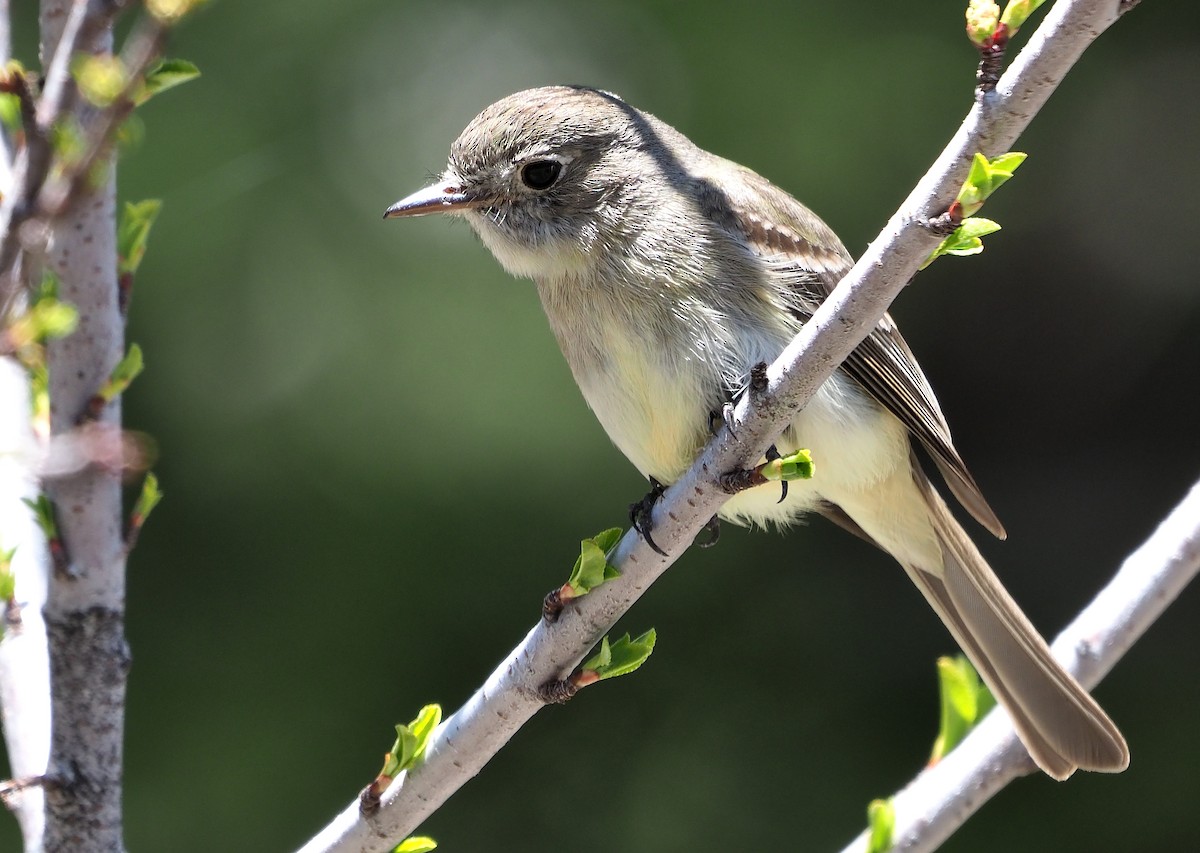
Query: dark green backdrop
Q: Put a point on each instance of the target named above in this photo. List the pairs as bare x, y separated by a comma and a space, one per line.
376, 462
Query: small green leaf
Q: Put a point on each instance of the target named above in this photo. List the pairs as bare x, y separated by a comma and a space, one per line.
166, 74
10, 112
122, 375
46, 318
965, 240
1009, 161
134, 230
68, 140
881, 821
411, 741
985, 177
964, 702
43, 512
1017, 12
415, 844
39, 397
621, 657
606, 539
148, 499
592, 568
8, 581
794, 466
131, 133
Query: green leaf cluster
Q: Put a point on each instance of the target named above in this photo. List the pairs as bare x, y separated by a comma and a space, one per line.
592, 568
965, 700
411, 741
794, 466
621, 657
986, 176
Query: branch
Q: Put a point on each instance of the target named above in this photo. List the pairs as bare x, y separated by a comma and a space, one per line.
24, 666
84, 612
468, 739
941, 798
65, 32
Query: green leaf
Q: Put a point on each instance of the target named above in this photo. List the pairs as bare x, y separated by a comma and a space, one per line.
592, 568
148, 499
43, 512
881, 821
621, 657
1009, 161
794, 466
985, 177
166, 74
415, 844
10, 112
965, 240
46, 318
411, 741
606, 539
1017, 12
8, 581
122, 375
964, 702
137, 219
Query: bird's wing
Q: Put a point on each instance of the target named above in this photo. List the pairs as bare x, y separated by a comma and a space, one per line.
810, 256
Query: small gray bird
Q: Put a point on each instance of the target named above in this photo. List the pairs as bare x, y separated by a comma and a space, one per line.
667, 273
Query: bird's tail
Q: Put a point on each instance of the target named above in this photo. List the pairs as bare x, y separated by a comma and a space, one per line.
1060, 724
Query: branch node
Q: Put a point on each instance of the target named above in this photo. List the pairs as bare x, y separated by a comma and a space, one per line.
558, 692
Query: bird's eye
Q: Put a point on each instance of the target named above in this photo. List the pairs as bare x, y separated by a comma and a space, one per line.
540, 174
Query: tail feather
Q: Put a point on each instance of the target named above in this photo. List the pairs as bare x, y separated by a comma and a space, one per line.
1061, 725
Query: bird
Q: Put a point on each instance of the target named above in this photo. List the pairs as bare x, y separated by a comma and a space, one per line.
666, 273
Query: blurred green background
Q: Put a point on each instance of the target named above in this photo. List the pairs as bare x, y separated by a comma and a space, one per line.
376, 462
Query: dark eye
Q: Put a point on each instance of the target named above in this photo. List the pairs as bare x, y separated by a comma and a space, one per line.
540, 174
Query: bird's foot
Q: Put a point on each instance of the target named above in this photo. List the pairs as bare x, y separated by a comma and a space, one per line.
640, 514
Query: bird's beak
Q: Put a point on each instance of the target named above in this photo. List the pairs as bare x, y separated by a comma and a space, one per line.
445, 196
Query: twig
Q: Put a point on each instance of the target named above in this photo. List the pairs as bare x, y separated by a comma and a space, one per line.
32, 163
941, 798
468, 739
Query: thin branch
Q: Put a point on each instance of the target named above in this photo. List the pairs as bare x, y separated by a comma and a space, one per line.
940, 799
467, 740
84, 612
24, 662
85, 20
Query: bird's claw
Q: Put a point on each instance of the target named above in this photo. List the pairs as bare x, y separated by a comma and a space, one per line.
640, 514
772, 454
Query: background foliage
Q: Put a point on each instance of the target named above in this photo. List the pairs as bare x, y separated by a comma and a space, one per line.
376, 462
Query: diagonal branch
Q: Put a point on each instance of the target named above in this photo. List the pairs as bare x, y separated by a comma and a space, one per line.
467, 740
941, 798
